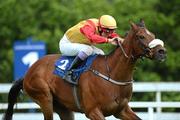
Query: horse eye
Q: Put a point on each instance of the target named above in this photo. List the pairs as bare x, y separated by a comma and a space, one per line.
141, 37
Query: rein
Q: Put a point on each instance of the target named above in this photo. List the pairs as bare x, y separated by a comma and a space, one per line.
120, 45
146, 50
125, 54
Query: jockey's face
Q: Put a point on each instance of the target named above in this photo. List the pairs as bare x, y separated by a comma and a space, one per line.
105, 32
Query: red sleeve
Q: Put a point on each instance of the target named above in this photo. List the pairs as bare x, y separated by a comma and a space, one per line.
90, 33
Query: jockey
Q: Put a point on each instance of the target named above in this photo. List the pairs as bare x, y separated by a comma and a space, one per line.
80, 39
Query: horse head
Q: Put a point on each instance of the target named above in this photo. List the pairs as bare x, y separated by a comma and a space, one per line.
144, 43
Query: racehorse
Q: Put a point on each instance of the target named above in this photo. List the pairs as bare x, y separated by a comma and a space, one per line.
105, 89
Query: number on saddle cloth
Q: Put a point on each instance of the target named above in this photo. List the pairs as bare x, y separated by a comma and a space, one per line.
64, 62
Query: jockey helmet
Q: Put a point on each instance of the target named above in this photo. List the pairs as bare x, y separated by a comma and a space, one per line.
107, 21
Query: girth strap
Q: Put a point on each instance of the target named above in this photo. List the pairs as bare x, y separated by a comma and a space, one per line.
109, 79
76, 97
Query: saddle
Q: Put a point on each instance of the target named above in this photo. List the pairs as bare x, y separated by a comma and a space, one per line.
64, 62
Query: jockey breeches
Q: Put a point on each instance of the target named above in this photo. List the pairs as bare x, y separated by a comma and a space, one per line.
72, 49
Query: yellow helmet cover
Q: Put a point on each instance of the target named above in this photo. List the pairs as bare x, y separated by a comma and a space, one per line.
107, 21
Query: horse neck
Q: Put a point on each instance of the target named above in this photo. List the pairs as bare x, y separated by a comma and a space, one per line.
120, 65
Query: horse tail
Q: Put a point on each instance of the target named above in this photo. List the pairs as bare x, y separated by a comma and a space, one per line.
12, 98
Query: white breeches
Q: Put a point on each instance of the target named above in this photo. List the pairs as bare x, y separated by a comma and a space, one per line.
72, 49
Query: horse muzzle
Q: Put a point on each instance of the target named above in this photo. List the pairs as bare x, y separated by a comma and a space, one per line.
159, 53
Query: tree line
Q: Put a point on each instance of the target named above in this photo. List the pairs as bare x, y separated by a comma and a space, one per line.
48, 20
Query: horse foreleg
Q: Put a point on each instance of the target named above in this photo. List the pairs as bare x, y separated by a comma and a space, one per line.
127, 114
64, 113
96, 114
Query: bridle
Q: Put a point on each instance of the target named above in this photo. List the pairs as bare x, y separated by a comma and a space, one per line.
145, 48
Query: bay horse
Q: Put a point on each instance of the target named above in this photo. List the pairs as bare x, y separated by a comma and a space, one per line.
104, 90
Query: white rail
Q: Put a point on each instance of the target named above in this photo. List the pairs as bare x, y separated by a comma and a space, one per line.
158, 88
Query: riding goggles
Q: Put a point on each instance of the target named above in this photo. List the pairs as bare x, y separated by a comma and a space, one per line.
107, 30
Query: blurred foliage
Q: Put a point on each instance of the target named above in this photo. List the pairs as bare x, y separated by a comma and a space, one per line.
48, 20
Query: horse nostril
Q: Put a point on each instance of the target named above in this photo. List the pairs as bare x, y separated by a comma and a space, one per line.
161, 51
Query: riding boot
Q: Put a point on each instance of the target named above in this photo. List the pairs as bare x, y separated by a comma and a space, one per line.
75, 63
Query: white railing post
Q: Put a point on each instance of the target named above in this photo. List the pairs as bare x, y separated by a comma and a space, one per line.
158, 100
151, 113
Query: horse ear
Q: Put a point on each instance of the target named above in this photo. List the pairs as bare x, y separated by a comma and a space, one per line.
142, 22
133, 25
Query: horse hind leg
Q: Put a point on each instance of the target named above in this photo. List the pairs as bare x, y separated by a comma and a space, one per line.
44, 99
63, 112
46, 106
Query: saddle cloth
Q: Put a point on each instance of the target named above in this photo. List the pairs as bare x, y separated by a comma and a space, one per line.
64, 62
